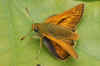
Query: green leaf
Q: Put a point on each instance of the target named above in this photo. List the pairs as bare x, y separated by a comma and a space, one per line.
14, 24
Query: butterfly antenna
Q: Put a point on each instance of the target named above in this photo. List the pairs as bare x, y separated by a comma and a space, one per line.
22, 38
28, 13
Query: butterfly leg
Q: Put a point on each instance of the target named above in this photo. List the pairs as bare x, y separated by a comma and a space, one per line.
41, 37
38, 55
41, 42
40, 46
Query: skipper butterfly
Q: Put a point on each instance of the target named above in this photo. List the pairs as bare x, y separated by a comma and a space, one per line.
59, 34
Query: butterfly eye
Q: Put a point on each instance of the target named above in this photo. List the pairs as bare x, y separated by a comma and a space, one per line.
36, 29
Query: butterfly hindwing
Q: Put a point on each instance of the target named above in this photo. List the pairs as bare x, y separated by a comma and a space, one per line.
65, 45
55, 49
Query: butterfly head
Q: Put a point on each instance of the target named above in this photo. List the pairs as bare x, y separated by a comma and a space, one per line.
35, 27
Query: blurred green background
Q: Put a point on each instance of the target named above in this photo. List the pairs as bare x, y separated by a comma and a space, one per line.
14, 23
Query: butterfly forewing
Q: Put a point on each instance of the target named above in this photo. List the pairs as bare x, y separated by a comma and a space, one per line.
69, 18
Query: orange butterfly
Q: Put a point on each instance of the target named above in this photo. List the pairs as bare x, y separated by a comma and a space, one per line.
59, 34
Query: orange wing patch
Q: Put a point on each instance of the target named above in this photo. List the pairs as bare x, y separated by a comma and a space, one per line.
69, 18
